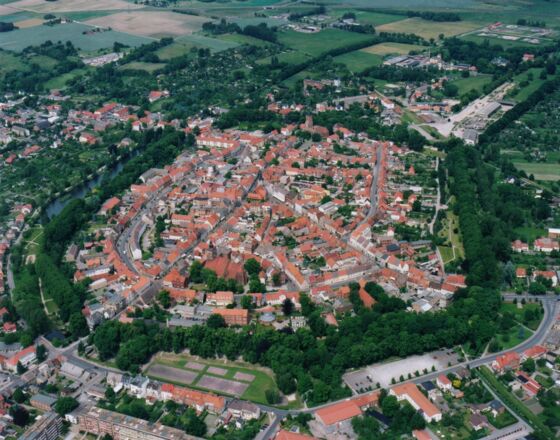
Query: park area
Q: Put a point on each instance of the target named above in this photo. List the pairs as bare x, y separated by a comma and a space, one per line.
221, 377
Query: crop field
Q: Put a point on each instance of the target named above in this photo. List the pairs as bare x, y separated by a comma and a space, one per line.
383, 49
359, 60
317, 43
72, 5
213, 44
429, 29
222, 377
20, 39
151, 23
30, 22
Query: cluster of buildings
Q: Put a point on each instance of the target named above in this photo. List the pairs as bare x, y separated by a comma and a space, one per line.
421, 61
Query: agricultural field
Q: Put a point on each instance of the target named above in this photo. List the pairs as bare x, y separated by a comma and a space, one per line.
320, 42
429, 29
154, 24
72, 5
384, 49
222, 377
359, 60
214, 44
20, 39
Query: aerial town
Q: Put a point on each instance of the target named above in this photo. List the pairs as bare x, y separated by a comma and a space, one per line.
292, 221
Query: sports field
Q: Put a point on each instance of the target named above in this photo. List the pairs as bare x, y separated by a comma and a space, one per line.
151, 23
383, 49
20, 39
222, 377
320, 42
429, 29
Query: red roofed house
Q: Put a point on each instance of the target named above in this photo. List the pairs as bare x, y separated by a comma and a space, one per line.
508, 361
414, 396
9, 327
25, 357
175, 279
287, 435
332, 415
220, 298
535, 352
109, 205
443, 382
234, 316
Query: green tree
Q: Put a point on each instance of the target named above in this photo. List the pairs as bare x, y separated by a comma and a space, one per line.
65, 405
19, 396
287, 307
41, 353
78, 325
216, 321
252, 267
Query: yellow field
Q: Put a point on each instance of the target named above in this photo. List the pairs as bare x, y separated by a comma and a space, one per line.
392, 48
73, 5
429, 29
29, 23
151, 23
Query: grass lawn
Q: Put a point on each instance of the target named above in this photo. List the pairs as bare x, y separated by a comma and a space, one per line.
174, 50
244, 39
320, 42
473, 82
521, 93
429, 29
60, 81
541, 171
9, 62
446, 254
529, 234
359, 60
518, 313
383, 49
140, 65
515, 336
451, 232
290, 57
255, 392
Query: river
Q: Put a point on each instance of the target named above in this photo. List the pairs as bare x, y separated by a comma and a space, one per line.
79, 192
